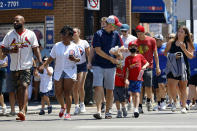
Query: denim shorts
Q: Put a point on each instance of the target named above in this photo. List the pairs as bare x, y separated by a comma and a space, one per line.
106, 75
134, 86
44, 94
82, 67
159, 79
65, 76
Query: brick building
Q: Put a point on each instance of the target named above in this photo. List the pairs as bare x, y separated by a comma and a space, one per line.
70, 12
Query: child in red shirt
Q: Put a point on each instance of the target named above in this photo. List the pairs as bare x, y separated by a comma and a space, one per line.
119, 90
135, 64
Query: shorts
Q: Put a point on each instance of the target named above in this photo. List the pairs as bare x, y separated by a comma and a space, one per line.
159, 79
193, 80
119, 94
106, 75
148, 78
10, 85
2, 79
44, 94
21, 77
82, 67
65, 76
170, 76
135, 86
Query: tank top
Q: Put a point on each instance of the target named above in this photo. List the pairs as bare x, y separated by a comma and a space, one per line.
175, 49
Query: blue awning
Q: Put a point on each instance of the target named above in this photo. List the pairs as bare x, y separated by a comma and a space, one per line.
26, 4
151, 11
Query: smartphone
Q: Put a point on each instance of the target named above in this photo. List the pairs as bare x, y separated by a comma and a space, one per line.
179, 53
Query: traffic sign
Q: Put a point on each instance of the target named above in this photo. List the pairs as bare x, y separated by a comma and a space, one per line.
93, 4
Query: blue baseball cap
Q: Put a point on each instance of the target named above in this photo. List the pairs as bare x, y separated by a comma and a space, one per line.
124, 27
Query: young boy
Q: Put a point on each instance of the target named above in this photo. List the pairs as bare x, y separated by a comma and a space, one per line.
119, 90
134, 66
45, 86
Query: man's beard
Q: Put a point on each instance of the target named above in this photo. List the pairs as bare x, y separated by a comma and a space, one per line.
17, 27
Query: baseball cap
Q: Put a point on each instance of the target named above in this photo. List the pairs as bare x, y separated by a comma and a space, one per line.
159, 37
132, 44
114, 20
140, 28
124, 27
44, 58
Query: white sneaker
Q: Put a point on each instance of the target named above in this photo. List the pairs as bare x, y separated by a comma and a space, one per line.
77, 110
194, 107
156, 108
163, 106
82, 108
188, 107
4, 109
173, 108
183, 110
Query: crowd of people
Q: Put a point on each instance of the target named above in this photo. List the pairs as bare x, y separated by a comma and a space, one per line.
126, 69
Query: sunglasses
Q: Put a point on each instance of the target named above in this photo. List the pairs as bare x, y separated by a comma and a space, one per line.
114, 25
125, 31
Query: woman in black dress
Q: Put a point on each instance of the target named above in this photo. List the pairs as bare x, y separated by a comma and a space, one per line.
182, 44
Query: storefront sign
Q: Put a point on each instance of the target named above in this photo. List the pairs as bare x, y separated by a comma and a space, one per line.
49, 23
26, 4
93, 4
148, 6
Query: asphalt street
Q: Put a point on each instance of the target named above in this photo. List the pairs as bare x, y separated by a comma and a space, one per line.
149, 121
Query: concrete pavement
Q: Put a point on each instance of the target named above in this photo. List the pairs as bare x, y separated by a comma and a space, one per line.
149, 121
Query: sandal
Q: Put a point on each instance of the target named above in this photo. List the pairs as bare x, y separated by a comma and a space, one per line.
108, 116
21, 116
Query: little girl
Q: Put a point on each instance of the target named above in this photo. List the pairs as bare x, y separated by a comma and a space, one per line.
45, 86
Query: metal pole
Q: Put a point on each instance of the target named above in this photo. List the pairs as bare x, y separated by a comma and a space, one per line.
191, 16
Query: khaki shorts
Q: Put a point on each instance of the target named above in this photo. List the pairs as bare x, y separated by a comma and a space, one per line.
21, 77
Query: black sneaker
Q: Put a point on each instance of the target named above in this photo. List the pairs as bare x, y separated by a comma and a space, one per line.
41, 112
97, 116
49, 109
136, 114
103, 107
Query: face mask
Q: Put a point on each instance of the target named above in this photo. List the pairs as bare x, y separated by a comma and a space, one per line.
133, 50
18, 26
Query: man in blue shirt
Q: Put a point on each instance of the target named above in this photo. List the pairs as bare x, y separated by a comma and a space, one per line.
193, 80
160, 81
104, 64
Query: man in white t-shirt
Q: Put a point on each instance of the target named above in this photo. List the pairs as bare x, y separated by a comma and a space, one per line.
126, 37
20, 43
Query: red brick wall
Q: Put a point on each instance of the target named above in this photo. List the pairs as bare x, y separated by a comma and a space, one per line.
66, 12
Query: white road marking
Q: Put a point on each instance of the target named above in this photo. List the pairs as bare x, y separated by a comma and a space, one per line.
140, 127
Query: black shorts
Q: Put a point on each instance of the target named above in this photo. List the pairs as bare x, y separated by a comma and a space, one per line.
193, 80
119, 94
170, 76
148, 78
82, 67
2, 79
44, 94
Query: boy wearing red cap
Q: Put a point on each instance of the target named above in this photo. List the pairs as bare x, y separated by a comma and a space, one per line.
148, 48
135, 64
